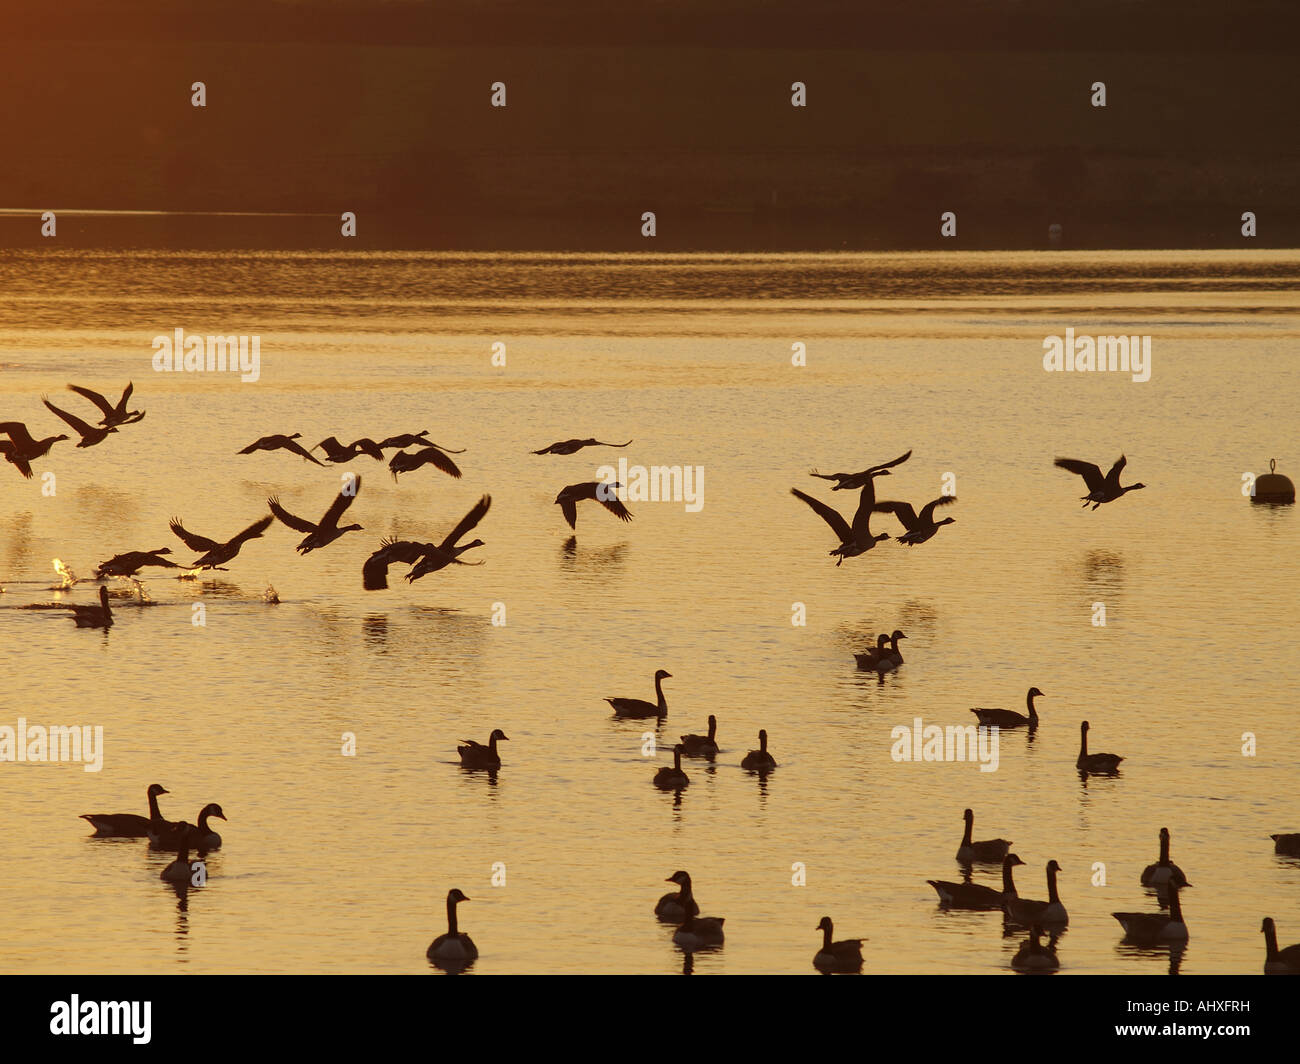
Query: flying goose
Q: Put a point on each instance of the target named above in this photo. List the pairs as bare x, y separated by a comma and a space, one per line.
675, 907
1102, 764
424, 558
673, 779
328, 530
853, 481
414, 439
1152, 928
990, 850
113, 414
1100, 489
90, 435
570, 446
1160, 873
1279, 961
702, 745
336, 452
698, 931
1026, 911
405, 462
128, 825
918, 528
857, 538
476, 755
455, 948
639, 708
100, 616
1033, 956
217, 554
759, 760
1008, 718
132, 561
842, 956
21, 450
597, 491
280, 442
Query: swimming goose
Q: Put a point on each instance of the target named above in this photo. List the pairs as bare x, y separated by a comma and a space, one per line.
281, 442
113, 414
857, 538
132, 561
328, 530
759, 760
596, 490
424, 558
128, 825
673, 779
179, 870
455, 947
675, 907
1033, 956
1008, 718
90, 435
868, 658
405, 462
697, 931
476, 755
1279, 961
217, 554
414, 439
336, 452
853, 481
570, 446
1160, 873
1101, 764
1100, 489
100, 616
22, 450
883, 659
918, 528
991, 850
968, 895
1026, 911
1156, 927
199, 837
842, 956
702, 745
639, 708
1287, 843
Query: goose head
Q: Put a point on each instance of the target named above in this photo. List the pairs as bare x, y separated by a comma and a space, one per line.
1084, 727
896, 635
1011, 860
1268, 927
497, 734
682, 879
1134, 487
968, 816
469, 546
455, 897
825, 923
1034, 692
103, 595
762, 738
946, 521
1052, 867
351, 528
663, 675
212, 809
156, 789
56, 439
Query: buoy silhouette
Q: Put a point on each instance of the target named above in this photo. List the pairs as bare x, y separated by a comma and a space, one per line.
1273, 486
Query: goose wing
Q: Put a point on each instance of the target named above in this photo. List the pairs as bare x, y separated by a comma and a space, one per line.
341, 502
296, 523
108, 409
1090, 473
190, 539
256, 445
75, 422
297, 448
831, 516
927, 511
570, 510
615, 506
17, 432
16, 460
598, 443
365, 445
1113, 476
890, 465
439, 460
902, 510
467, 522
253, 531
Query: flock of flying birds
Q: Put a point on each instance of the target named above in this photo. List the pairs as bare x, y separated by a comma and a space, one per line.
455, 949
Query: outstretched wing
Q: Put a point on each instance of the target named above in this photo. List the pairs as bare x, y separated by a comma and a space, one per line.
17, 432
1115, 470
830, 516
294, 522
365, 445
253, 531
1090, 473
94, 397
927, 512
615, 506
75, 422
434, 456
341, 503
297, 448
902, 510
890, 465
194, 542
467, 522
570, 510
